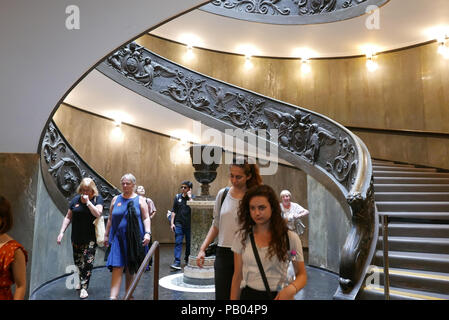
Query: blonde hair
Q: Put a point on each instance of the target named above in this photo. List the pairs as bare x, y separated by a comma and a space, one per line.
88, 183
285, 193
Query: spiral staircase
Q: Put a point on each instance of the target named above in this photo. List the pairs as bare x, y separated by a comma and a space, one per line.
415, 200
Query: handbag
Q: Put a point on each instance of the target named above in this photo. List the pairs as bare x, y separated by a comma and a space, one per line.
99, 230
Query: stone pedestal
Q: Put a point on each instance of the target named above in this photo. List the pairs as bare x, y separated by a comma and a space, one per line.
201, 220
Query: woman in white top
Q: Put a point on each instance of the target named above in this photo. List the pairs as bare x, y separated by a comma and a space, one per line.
260, 217
292, 212
243, 176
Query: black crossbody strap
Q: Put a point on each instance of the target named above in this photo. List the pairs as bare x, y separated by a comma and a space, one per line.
259, 263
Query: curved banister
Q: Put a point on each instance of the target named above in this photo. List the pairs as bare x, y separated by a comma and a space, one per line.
293, 12
316, 144
63, 169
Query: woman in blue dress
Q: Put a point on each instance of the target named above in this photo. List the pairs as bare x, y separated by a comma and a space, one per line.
116, 229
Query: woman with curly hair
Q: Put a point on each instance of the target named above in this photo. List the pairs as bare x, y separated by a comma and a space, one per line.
260, 218
242, 175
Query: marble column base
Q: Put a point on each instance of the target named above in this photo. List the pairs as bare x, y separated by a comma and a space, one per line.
201, 219
199, 276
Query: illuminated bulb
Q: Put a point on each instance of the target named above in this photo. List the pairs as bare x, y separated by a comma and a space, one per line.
248, 63
443, 50
305, 66
371, 65
117, 122
189, 53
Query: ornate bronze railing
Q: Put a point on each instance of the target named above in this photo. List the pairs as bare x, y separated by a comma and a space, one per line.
63, 169
291, 11
314, 143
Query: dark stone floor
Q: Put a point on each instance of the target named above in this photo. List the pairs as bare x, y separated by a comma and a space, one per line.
321, 285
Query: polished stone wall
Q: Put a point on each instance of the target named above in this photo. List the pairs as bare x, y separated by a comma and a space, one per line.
148, 156
409, 91
329, 227
18, 183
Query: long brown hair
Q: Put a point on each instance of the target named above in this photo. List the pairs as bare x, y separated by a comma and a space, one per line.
278, 227
5, 215
250, 169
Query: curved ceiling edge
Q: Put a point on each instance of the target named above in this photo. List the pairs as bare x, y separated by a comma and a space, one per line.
292, 12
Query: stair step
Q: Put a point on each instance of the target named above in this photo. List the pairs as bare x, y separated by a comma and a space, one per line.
392, 164
397, 187
377, 168
377, 293
411, 196
437, 282
376, 161
418, 230
417, 215
413, 206
415, 174
434, 262
416, 244
410, 180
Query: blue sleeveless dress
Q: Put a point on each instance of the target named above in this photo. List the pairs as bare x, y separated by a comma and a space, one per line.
117, 236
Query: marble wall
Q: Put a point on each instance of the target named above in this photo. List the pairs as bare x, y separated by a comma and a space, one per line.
329, 227
409, 91
18, 183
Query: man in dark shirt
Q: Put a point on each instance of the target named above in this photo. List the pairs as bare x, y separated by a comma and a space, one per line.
180, 223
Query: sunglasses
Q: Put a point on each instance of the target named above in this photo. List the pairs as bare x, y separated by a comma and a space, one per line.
184, 187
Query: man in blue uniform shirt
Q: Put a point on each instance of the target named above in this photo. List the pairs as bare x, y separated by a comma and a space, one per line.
180, 223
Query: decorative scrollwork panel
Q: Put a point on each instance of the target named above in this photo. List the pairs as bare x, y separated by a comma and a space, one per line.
63, 169
291, 11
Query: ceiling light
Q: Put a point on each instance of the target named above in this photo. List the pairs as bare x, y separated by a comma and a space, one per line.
371, 65
248, 62
189, 53
443, 48
305, 66
370, 52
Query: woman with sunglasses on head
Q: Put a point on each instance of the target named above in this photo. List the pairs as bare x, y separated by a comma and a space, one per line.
84, 208
263, 248
242, 176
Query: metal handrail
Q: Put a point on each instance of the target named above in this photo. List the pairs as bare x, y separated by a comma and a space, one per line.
385, 221
153, 250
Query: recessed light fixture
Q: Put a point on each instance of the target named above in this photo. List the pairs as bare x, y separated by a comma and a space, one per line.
443, 48
370, 53
440, 33
304, 54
